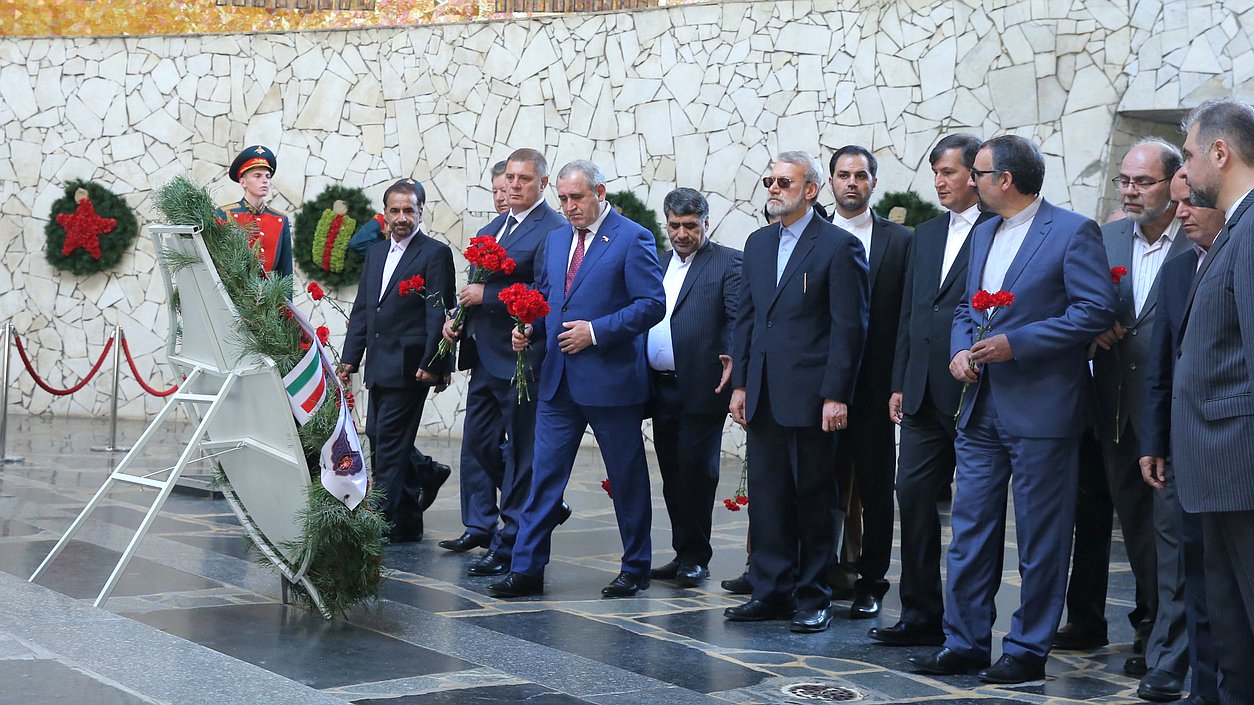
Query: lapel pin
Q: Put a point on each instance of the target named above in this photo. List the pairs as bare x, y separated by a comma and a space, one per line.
605, 238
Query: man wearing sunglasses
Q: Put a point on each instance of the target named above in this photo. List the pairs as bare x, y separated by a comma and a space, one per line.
797, 342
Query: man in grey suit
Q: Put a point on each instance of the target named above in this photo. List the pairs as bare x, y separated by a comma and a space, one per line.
1140, 244
689, 354
1212, 414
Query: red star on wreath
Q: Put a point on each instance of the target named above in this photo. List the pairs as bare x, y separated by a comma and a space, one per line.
83, 228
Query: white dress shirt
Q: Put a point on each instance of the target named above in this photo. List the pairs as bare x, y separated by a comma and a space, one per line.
1147, 259
960, 225
395, 251
788, 237
661, 349
587, 247
859, 225
1006, 243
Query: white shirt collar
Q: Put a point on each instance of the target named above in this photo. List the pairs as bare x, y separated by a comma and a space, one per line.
860, 220
969, 216
1165, 240
520, 217
402, 244
596, 224
1026, 215
1235, 204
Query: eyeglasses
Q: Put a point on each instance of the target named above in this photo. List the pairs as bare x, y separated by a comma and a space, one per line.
976, 173
784, 182
1140, 184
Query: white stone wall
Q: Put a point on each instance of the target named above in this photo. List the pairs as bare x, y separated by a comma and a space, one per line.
696, 95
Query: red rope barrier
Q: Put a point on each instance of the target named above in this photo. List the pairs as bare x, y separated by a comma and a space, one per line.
53, 390
126, 349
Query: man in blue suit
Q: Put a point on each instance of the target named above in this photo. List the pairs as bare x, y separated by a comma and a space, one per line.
1022, 412
804, 303
601, 278
499, 432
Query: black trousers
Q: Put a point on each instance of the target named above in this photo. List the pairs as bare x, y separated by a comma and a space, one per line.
1229, 549
867, 454
393, 418
1090, 557
925, 467
688, 447
792, 501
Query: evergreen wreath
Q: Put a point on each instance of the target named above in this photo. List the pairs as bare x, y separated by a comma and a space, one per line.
95, 244
305, 236
917, 209
346, 543
632, 208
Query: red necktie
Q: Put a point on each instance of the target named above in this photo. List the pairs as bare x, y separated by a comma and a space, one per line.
576, 259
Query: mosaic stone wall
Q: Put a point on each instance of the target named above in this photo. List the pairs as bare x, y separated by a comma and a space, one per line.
697, 95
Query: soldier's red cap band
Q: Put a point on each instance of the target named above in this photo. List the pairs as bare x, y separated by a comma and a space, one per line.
254, 163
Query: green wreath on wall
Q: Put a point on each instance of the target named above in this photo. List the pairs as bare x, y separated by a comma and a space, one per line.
321, 234
917, 209
89, 229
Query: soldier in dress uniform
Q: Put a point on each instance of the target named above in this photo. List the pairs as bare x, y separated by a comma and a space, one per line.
252, 169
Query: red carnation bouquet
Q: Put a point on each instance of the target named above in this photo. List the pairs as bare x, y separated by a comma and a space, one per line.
485, 257
988, 304
741, 498
1117, 273
524, 306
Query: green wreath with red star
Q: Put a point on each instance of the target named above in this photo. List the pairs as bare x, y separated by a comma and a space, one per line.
89, 229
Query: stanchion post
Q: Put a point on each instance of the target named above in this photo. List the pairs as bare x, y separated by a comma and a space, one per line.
112, 447
6, 339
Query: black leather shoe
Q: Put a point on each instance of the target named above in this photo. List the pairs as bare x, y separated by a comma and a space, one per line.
759, 611
903, 634
1009, 669
489, 563
625, 585
865, 606
691, 575
945, 662
665, 572
431, 486
811, 621
1135, 666
738, 586
1160, 686
1071, 636
464, 543
517, 585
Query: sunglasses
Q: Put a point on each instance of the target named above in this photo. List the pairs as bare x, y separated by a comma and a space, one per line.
784, 182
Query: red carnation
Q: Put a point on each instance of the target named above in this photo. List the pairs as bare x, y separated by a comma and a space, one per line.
304, 346
1003, 298
412, 285
315, 291
1117, 273
605, 485
324, 334
741, 499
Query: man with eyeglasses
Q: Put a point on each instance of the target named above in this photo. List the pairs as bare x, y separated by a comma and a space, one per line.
866, 462
1140, 244
797, 342
1022, 412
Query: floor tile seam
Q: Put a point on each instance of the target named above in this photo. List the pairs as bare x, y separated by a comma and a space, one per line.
46, 654
433, 682
460, 643
208, 670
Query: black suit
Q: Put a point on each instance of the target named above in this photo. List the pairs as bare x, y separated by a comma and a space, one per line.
1174, 280
798, 342
401, 334
929, 402
498, 437
867, 459
688, 416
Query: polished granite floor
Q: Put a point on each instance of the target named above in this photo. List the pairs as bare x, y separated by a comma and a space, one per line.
196, 620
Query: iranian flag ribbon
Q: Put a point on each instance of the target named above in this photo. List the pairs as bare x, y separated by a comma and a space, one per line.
306, 385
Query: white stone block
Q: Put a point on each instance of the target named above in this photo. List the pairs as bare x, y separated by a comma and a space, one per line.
323, 109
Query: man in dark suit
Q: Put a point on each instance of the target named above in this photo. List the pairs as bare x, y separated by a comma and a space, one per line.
1212, 410
1186, 553
601, 278
1140, 243
798, 339
401, 331
1022, 411
499, 432
867, 459
689, 354
925, 395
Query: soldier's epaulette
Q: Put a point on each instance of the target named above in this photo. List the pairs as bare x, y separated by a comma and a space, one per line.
228, 207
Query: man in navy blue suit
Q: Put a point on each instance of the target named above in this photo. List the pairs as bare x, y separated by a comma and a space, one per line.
601, 278
499, 431
796, 347
1022, 412
401, 333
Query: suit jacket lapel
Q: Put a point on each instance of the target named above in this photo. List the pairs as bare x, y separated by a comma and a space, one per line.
1178, 245
879, 243
593, 248
700, 259
527, 225
980, 247
411, 251
1037, 233
800, 251
958, 269
1119, 254
1219, 244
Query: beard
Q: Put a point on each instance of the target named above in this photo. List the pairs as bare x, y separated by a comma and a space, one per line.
1204, 197
1146, 215
786, 206
850, 202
